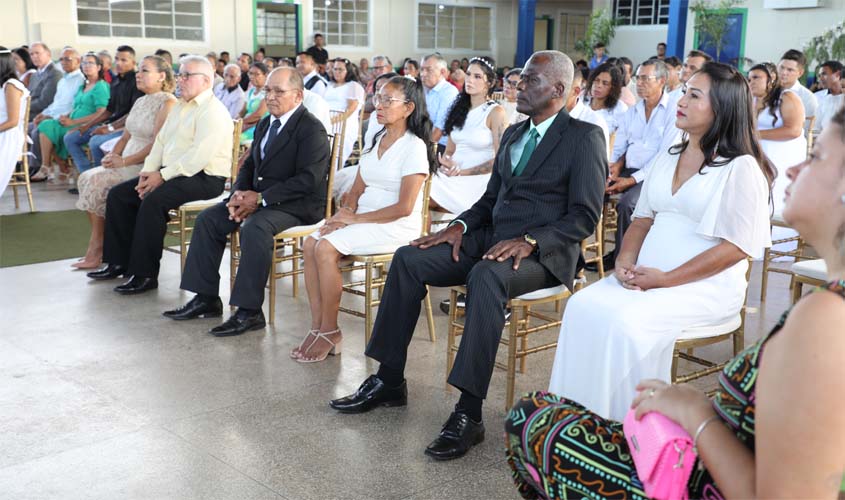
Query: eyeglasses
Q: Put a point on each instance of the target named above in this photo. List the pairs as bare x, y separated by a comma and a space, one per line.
66, 59
270, 92
645, 78
186, 75
383, 100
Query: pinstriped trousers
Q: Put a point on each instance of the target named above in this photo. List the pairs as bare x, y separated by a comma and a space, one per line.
489, 286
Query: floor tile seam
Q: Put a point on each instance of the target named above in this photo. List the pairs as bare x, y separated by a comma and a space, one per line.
203, 451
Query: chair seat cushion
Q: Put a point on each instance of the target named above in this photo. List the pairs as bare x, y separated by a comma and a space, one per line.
815, 269
701, 332
542, 293
307, 228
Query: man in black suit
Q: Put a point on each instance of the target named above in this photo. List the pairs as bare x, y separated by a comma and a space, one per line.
281, 184
544, 197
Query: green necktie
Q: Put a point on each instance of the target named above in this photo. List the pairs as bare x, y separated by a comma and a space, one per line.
527, 151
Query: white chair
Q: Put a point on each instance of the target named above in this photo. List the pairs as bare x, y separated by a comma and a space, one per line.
807, 272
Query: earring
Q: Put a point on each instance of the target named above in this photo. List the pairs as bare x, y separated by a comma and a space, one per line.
842, 199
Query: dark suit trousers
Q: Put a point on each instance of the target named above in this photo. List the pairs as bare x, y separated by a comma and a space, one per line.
625, 209
208, 242
135, 228
489, 286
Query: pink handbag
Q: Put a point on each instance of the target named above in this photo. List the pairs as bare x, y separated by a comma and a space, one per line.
663, 454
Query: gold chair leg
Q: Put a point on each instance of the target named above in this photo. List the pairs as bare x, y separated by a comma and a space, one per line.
450, 340
511, 374
183, 247
15, 193
429, 315
368, 302
295, 261
764, 281
675, 357
523, 338
797, 289
272, 282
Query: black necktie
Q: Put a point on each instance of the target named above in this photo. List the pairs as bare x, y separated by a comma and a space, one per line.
271, 134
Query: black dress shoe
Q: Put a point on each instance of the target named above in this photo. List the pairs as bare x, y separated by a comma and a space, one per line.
109, 272
73, 191
197, 308
459, 434
372, 393
240, 322
609, 263
462, 302
136, 284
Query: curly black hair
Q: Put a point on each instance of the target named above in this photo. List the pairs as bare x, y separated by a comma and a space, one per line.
457, 116
617, 80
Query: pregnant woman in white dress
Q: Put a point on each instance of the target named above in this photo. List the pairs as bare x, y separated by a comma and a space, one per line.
347, 96
475, 126
780, 120
12, 109
702, 211
380, 213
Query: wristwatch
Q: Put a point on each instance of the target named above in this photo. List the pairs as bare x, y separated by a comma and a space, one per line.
260, 200
111, 127
530, 240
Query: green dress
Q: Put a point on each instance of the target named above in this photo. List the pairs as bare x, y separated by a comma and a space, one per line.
253, 101
84, 104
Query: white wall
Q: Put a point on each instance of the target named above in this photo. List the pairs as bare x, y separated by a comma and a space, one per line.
637, 43
229, 27
770, 32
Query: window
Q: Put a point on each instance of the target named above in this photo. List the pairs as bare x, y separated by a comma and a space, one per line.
573, 27
170, 19
275, 27
343, 22
442, 26
641, 12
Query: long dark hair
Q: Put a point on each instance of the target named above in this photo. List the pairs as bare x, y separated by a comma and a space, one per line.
773, 96
351, 70
24, 55
457, 116
7, 66
418, 121
617, 81
733, 132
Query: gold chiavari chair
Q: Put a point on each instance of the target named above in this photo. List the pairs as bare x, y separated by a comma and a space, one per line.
20, 176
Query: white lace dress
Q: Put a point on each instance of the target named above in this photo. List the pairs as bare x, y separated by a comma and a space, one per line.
94, 184
11, 140
473, 146
612, 337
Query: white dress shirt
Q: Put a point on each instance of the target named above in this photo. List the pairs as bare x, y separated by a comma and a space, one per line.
807, 98
586, 114
66, 91
639, 140
233, 99
319, 88
318, 107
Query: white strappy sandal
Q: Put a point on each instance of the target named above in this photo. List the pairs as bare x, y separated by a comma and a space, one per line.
335, 350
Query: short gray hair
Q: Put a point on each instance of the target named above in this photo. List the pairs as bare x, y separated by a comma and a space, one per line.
73, 52
294, 78
660, 70
201, 61
437, 57
559, 68
43, 46
383, 58
232, 66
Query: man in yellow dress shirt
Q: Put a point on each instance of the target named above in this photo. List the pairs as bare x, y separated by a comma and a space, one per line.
190, 160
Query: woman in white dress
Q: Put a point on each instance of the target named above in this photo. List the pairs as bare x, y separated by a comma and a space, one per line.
475, 125
509, 84
380, 213
603, 91
124, 162
702, 211
346, 95
12, 110
344, 177
780, 120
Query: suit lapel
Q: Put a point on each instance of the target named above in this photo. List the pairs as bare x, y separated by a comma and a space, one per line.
517, 134
257, 137
285, 134
547, 144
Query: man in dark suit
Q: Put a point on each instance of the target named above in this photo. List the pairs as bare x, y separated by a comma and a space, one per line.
281, 184
544, 197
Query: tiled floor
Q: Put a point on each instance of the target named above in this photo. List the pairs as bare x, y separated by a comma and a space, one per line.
103, 398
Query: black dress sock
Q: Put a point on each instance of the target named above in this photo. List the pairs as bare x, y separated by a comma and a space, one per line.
207, 298
390, 376
471, 405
